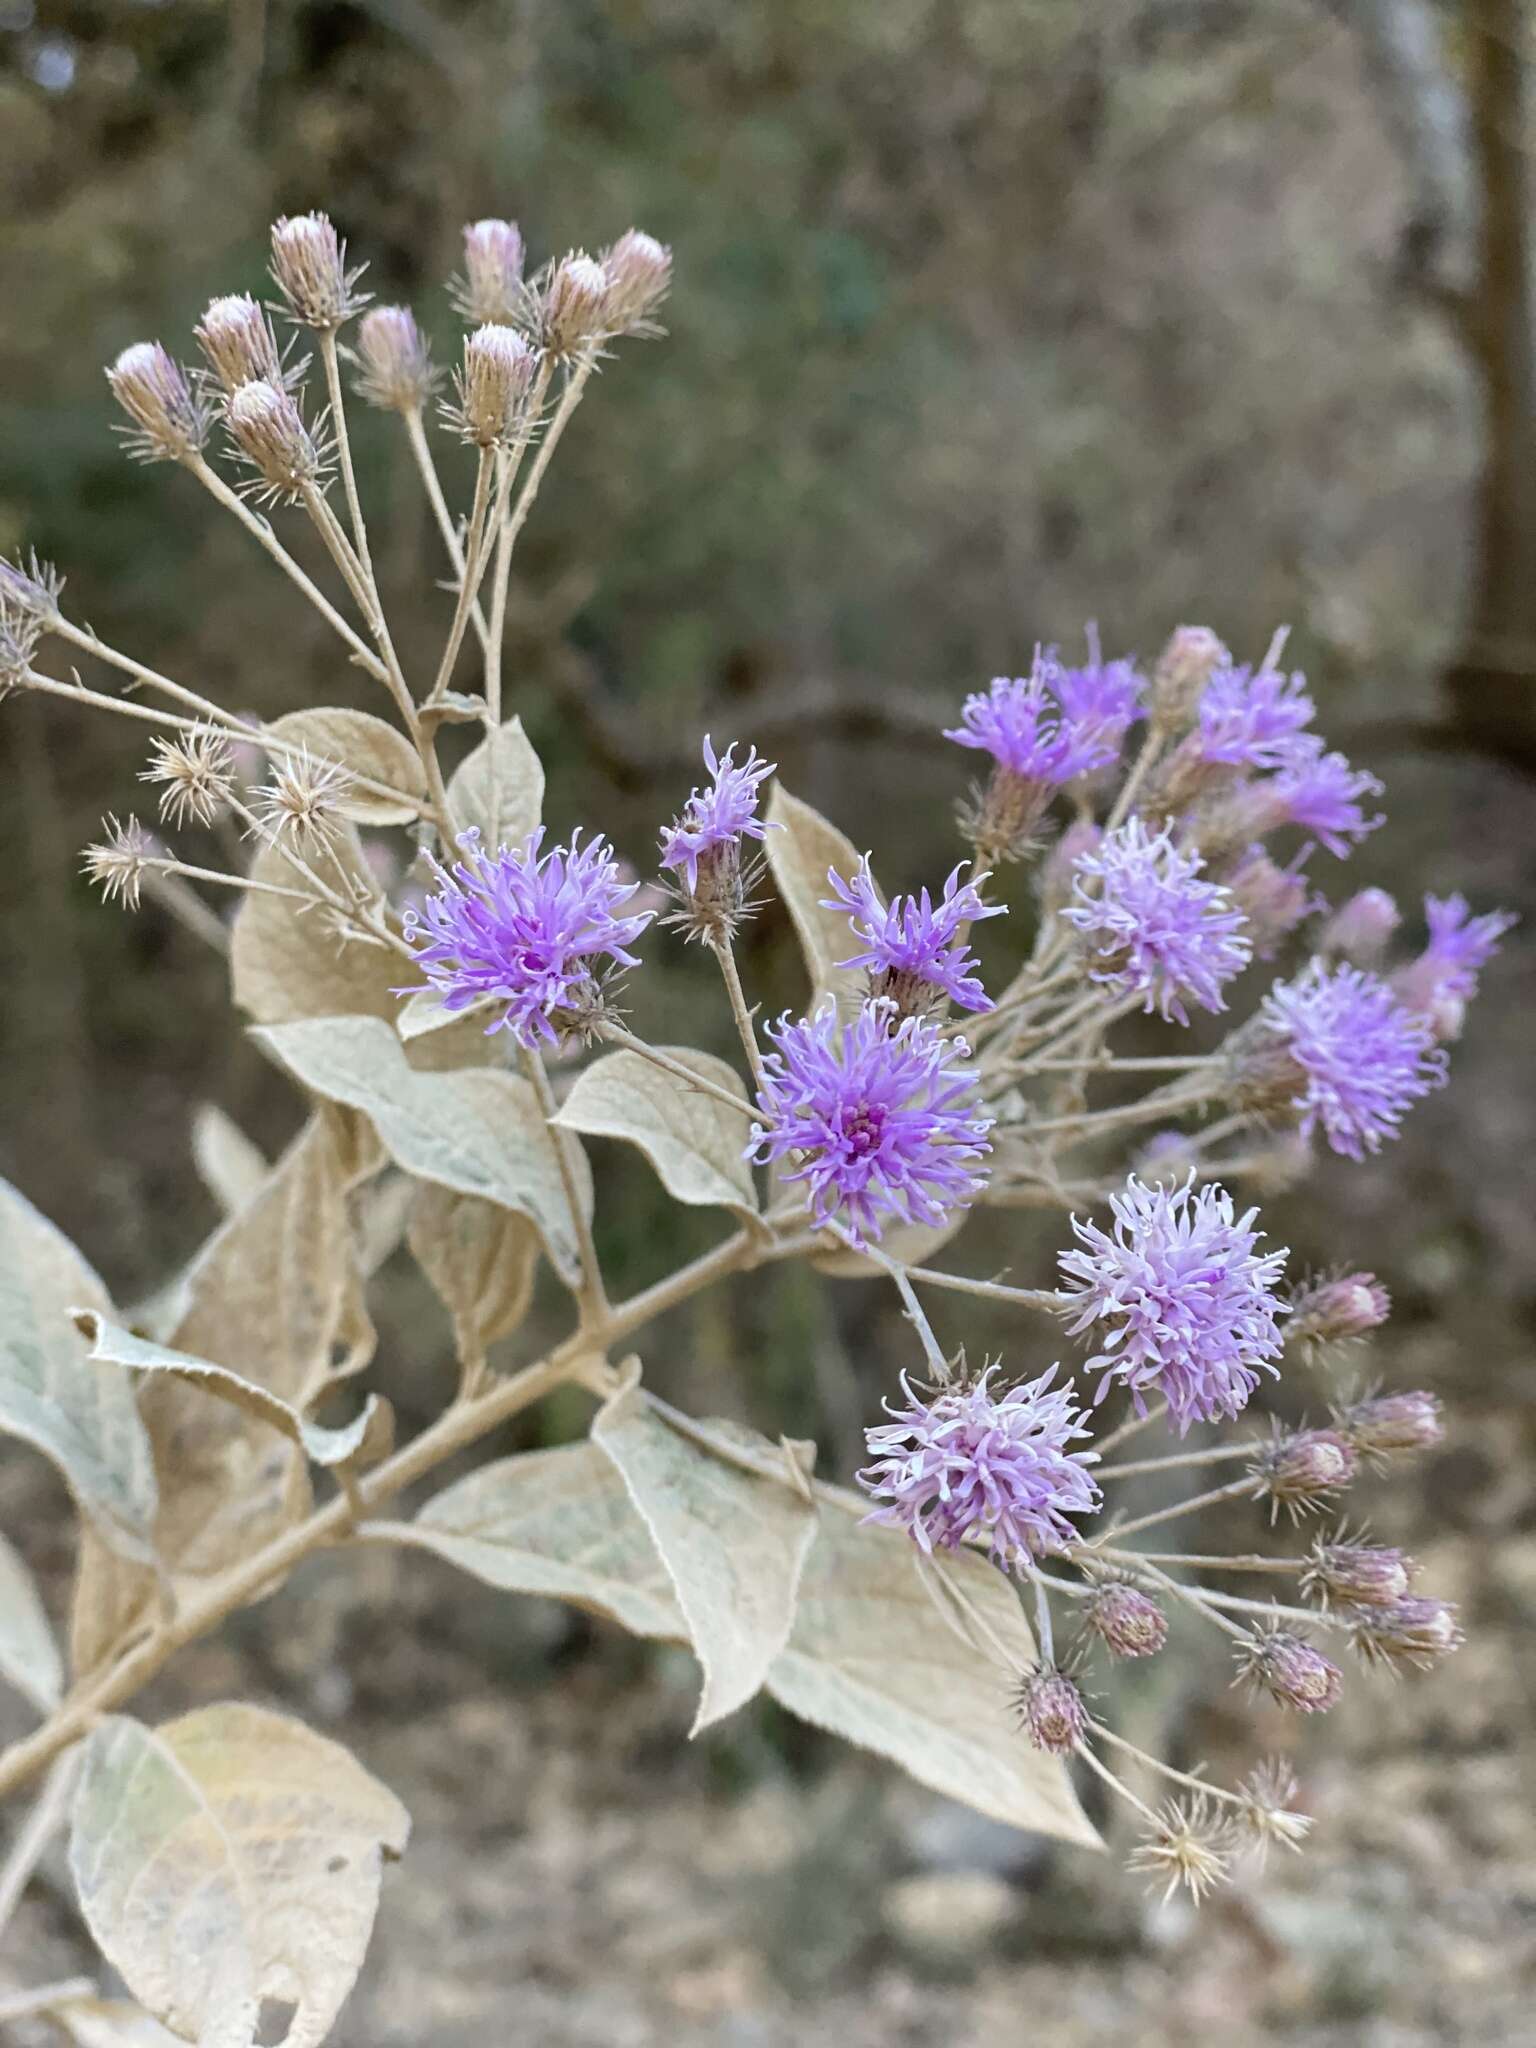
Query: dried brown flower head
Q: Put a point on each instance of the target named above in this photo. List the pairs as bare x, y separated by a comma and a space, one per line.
303, 801
194, 773
1186, 1845
169, 422
309, 268
268, 432
394, 360
117, 863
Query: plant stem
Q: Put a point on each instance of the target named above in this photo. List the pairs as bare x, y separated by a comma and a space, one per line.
431, 483
1176, 1459
725, 953
469, 582
1178, 1507
359, 526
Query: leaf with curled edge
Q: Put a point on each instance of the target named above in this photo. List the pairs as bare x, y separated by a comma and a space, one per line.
734, 1540
799, 854
51, 1396
477, 1132
873, 1659
230, 1857
367, 748
558, 1523
365, 1439
498, 791
29, 1656
694, 1142
480, 1259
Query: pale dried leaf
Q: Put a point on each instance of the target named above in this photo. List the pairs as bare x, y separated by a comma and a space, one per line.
873, 1660
478, 1132
799, 855
425, 1012
110, 2023
914, 1244
368, 747
481, 1260
553, 1522
29, 1656
112, 1346
82, 1418
229, 1857
734, 1543
694, 1142
499, 790
229, 1165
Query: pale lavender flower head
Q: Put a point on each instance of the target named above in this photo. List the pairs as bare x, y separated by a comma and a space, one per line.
1100, 701
1321, 792
916, 954
970, 1458
1151, 927
1355, 1055
881, 1125
720, 815
1443, 980
1249, 720
526, 930
1179, 1299
1023, 724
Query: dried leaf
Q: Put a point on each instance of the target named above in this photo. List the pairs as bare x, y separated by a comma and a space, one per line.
82, 1418
481, 1260
554, 1522
29, 1656
873, 1660
110, 2023
477, 1132
694, 1142
502, 806
230, 1167
733, 1543
369, 748
799, 855
229, 1857
112, 1346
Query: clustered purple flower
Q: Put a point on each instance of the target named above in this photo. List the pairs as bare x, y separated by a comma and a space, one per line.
1443, 980
1044, 728
1251, 720
1152, 928
525, 929
1321, 792
881, 1124
916, 953
970, 1458
1357, 1055
1178, 1298
719, 816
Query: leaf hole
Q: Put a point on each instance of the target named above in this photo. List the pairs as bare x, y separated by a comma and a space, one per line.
274, 2021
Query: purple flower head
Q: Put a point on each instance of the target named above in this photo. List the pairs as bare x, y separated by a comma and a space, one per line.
971, 1458
1101, 701
720, 815
1356, 1055
1189, 1306
1022, 723
915, 954
1443, 980
1151, 927
881, 1125
1250, 720
525, 930
1321, 793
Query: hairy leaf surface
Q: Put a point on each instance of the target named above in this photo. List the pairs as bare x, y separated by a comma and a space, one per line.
799, 855
694, 1142
368, 747
228, 1857
480, 1259
29, 1656
499, 790
230, 1167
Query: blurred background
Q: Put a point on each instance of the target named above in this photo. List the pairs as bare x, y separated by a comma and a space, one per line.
992, 318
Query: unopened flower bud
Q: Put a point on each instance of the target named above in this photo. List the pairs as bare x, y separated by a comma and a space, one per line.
309, 268
397, 373
1353, 1574
1416, 1631
1274, 900
168, 423
31, 588
639, 270
268, 430
1052, 1711
1360, 928
1183, 669
236, 337
1127, 1621
498, 371
1337, 1309
1302, 1470
492, 289
1388, 1425
1292, 1671
576, 306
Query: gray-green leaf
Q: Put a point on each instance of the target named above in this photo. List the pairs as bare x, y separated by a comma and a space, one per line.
694, 1142
499, 790
799, 855
29, 1656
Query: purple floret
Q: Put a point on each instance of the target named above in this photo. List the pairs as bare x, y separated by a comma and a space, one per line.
1443, 980
1020, 721
721, 814
1361, 1056
915, 952
1321, 792
1250, 720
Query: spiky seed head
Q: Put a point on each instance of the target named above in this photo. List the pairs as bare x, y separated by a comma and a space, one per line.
302, 804
268, 431
1052, 1711
576, 305
1337, 1308
1413, 1633
1301, 1469
27, 610
194, 773
1291, 1670
493, 385
309, 268
1385, 1426
237, 341
395, 361
1347, 1571
1183, 669
1186, 1845
117, 864
492, 288
169, 424
639, 272
1126, 1620
1267, 1816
